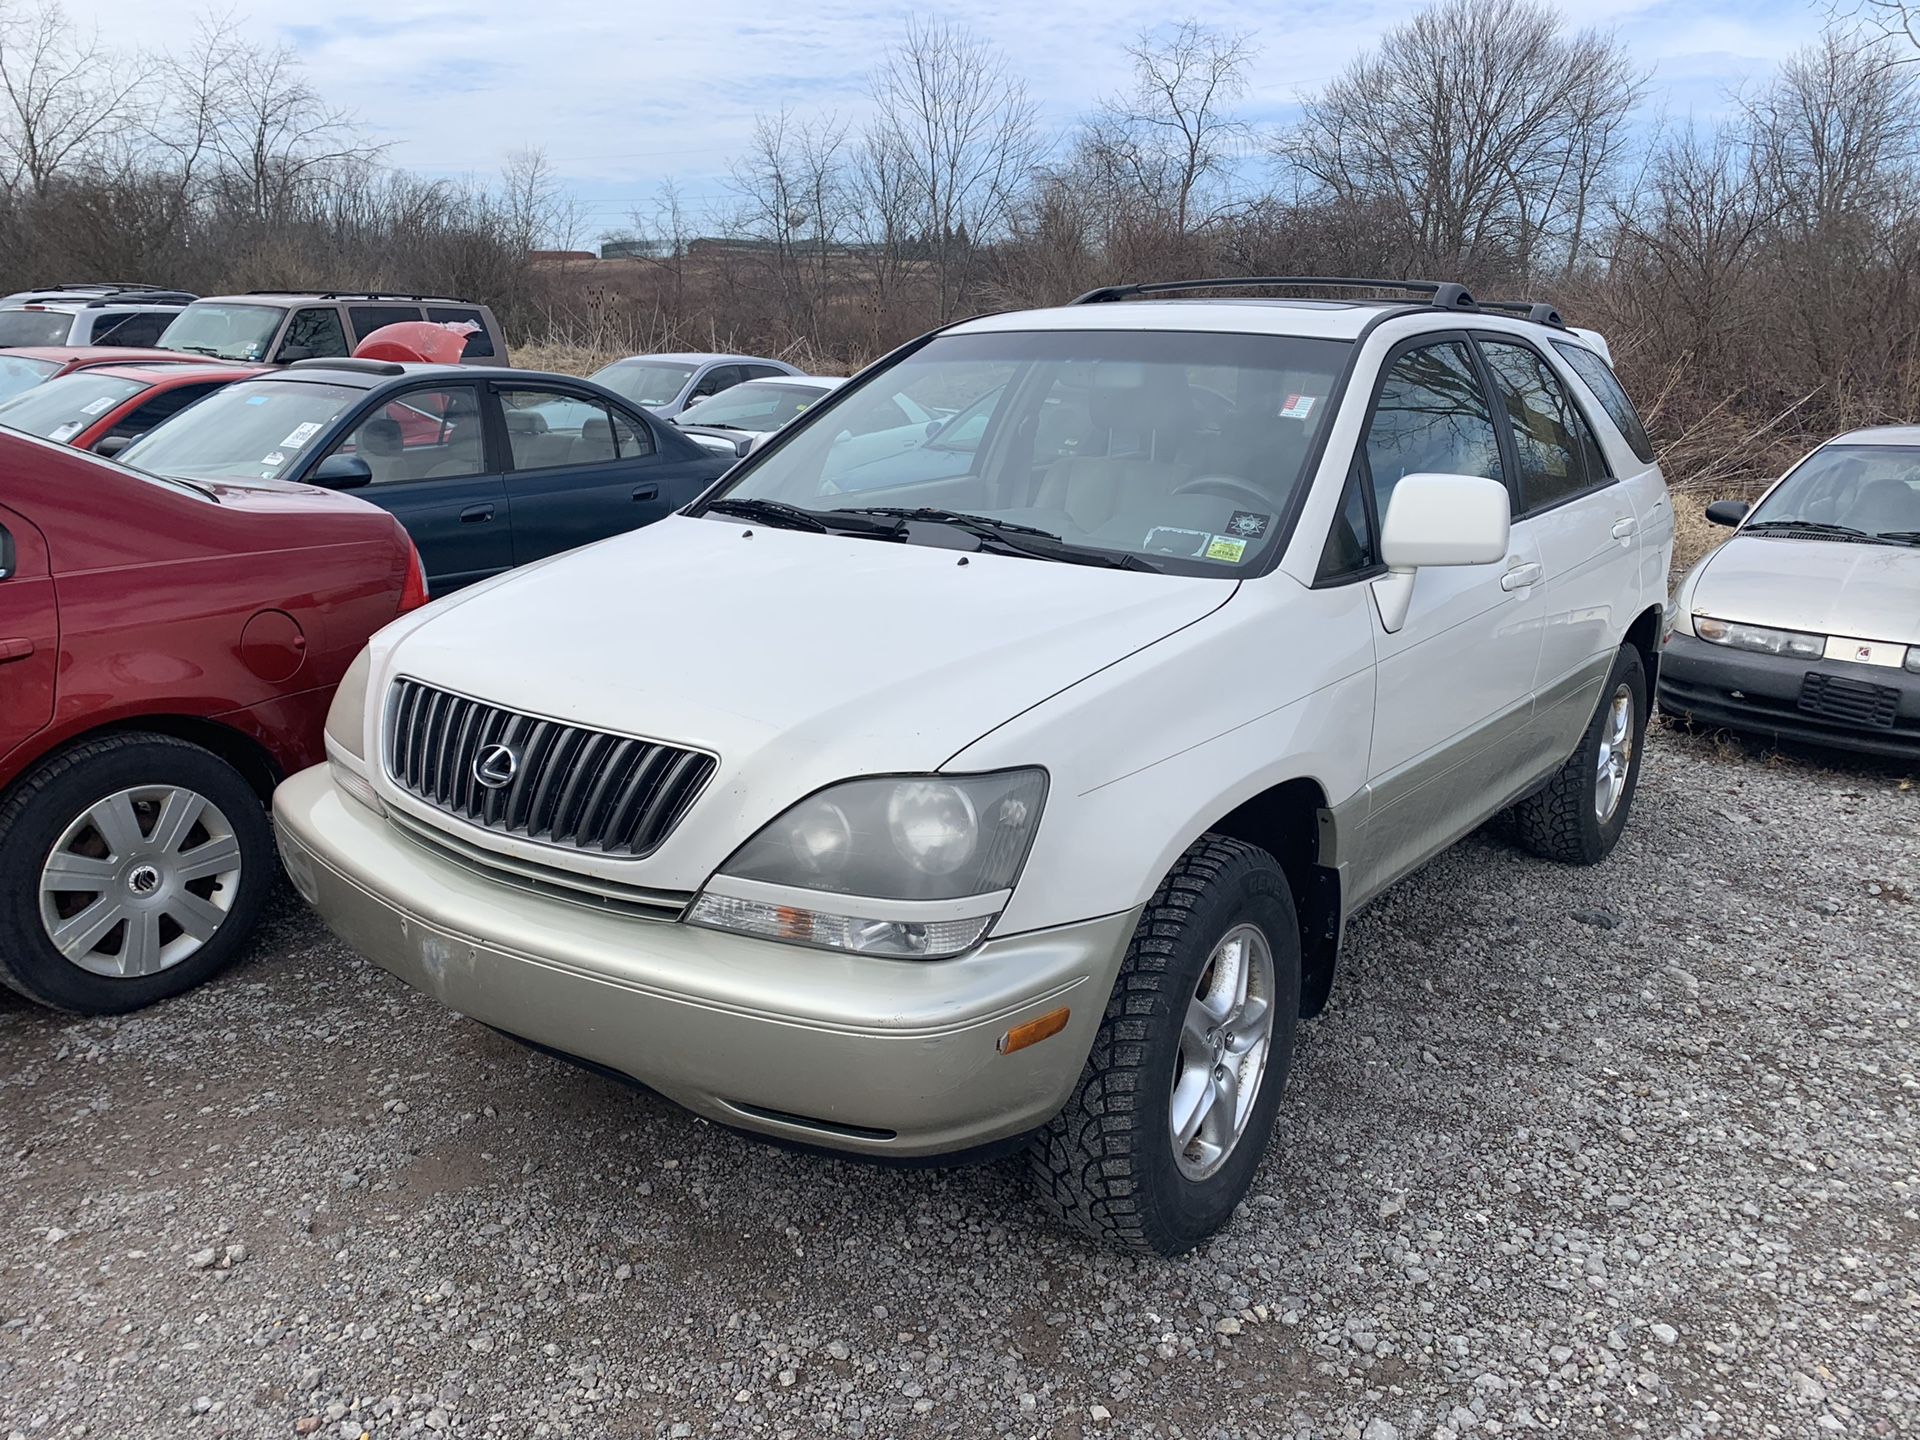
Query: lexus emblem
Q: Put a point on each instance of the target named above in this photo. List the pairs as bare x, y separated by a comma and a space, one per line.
494, 766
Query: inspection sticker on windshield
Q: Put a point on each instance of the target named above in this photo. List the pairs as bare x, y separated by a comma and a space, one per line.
301, 433
1225, 547
105, 402
1298, 407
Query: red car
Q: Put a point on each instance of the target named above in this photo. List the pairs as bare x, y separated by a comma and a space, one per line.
105, 408
167, 652
31, 365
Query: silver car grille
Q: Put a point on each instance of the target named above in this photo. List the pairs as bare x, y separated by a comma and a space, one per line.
572, 787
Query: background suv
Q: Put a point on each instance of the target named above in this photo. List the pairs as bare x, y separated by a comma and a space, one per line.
131, 315
279, 327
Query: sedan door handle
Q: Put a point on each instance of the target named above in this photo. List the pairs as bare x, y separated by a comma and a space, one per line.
1623, 528
476, 514
15, 650
646, 492
1521, 576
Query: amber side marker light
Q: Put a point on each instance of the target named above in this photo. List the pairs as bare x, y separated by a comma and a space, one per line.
1034, 1031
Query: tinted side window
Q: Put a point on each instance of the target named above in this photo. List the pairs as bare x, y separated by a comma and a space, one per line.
1431, 417
317, 331
480, 342
721, 377
130, 329
762, 372
548, 430
163, 406
1600, 379
429, 434
1349, 549
369, 318
1552, 467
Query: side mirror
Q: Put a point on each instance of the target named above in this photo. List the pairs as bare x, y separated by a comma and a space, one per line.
1728, 512
341, 472
933, 428
291, 353
1439, 520
111, 445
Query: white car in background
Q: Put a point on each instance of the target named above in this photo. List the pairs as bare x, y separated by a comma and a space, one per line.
1026, 797
730, 422
128, 315
667, 384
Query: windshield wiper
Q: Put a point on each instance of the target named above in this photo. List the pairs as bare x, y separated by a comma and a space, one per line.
1012, 538
1820, 526
199, 350
718, 425
1901, 537
793, 517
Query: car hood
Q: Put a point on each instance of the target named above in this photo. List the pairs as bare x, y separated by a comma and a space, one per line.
798, 659
1866, 592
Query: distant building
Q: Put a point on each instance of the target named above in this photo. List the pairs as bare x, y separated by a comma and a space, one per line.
636, 250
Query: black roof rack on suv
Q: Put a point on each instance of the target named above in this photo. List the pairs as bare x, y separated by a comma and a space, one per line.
143, 295
1537, 311
361, 295
1444, 294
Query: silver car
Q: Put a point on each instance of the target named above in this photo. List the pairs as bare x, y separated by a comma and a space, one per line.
667, 384
1806, 624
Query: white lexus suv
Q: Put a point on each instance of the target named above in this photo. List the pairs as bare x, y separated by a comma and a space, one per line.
1017, 785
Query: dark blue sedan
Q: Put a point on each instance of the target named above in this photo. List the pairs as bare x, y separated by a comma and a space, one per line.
486, 470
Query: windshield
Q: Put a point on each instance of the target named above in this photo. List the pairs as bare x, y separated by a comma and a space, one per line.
18, 372
34, 327
251, 430
232, 332
1183, 449
756, 406
1873, 489
645, 382
62, 408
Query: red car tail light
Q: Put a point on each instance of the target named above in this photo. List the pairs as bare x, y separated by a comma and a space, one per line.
413, 593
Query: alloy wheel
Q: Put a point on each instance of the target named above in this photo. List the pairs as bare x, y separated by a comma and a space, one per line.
1224, 1043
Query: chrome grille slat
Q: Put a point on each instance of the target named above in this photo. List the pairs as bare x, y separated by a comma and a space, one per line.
573, 787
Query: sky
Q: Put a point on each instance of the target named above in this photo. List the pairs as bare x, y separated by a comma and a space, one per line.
624, 96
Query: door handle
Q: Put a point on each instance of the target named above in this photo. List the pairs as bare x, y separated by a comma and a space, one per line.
476, 514
1521, 576
15, 650
648, 491
1624, 528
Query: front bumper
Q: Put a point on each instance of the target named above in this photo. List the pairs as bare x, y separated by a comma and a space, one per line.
1822, 702
876, 1056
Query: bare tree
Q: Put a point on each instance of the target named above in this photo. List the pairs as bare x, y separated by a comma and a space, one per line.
1484, 126
793, 202
1175, 132
956, 131
62, 97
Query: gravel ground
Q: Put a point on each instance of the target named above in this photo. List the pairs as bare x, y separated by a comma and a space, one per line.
1626, 1150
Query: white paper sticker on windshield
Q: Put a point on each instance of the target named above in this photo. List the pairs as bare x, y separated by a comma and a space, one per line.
301, 433
273, 457
1170, 540
67, 431
1298, 407
98, 407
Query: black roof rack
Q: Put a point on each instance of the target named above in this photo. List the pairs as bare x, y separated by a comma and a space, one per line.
1538, 311
347, 362
1444, 294
361, 295
144, 295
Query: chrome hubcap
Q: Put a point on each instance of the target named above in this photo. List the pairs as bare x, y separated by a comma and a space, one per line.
1224, 1043
140, 881
1616, 755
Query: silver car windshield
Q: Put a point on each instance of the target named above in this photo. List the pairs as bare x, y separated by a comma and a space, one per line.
645, 382
1869, 492
1169, 450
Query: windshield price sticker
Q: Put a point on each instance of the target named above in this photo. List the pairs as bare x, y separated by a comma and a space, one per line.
1298, 407
301, 433
98, 407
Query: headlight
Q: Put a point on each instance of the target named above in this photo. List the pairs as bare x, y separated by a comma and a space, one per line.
1760, 638
346, 735
924, 863
1912, 661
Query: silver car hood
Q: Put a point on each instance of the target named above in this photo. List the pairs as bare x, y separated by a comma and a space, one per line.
1829, 587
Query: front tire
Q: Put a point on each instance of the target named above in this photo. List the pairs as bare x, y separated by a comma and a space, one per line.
1174, 1110
1578, 816
132, 868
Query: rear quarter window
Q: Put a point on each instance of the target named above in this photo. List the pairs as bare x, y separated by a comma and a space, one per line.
480, 342
1598, 377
